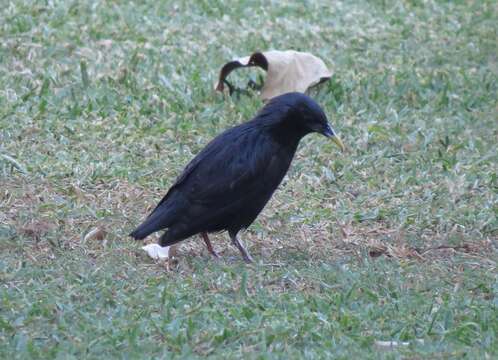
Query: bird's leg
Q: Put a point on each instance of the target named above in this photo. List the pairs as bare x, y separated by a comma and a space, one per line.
243, 251
208, 244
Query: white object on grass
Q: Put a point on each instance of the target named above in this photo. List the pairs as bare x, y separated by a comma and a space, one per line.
287, 71
156, 252
392, 344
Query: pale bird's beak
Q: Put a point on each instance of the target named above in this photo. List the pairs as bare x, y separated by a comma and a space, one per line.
328, 132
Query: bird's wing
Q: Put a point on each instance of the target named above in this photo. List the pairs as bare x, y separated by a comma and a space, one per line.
237, 168
182, 177
219, 151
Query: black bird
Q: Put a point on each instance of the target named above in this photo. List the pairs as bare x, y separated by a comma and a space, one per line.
230, 181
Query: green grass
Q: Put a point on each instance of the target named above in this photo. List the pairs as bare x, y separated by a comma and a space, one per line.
103, 103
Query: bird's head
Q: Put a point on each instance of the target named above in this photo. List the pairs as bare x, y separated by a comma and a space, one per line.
303, 115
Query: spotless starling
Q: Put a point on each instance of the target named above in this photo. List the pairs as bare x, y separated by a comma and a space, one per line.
229, 182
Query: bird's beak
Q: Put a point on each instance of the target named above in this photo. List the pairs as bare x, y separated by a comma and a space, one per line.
328, 132
338, 142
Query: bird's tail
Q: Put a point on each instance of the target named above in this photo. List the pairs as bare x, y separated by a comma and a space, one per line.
153, 223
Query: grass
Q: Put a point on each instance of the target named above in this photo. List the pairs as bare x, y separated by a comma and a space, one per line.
103, 103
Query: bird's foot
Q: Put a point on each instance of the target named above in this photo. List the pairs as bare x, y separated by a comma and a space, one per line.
209, 246
245, 255
247, 258
215, 254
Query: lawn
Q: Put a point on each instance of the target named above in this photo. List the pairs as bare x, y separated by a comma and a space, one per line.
102, 104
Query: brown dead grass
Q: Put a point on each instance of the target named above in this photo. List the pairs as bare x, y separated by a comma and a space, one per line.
31, 208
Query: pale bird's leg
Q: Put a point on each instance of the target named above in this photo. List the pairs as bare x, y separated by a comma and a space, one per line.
208, 244
243, 251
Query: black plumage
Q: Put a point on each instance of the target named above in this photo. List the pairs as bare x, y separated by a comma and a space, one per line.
230, 181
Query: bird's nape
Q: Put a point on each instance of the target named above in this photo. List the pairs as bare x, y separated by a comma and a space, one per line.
307, 115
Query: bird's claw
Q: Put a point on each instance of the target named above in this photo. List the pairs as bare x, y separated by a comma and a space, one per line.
215, 255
